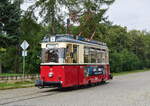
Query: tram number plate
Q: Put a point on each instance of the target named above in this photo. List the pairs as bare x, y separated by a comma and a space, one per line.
51, 46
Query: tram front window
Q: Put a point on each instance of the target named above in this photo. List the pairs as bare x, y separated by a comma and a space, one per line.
53, 55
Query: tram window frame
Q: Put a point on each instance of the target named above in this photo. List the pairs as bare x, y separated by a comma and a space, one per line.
98, 56
72, 55
47, 56
90, 55
103, 56
43, 56
75, 54
87, 58
93, 55
106, 57
68, 53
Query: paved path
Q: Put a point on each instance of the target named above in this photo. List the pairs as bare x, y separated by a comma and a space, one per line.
127, 90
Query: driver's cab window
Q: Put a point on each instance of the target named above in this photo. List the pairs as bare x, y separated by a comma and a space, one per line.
51, 55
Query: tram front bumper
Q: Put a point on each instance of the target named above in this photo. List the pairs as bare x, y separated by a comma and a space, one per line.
43, 84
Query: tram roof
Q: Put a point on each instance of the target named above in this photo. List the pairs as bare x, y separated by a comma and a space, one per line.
71, 38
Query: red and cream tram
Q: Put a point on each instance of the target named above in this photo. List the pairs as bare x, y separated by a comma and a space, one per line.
69, 61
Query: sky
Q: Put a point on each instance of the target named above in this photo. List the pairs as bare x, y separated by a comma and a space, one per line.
134, 14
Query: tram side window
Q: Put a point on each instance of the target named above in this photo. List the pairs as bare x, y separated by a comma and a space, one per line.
98, 56
68, 58
86, 55
75, 54
71, 54
61, 54
93, 55
103, 57
106, 58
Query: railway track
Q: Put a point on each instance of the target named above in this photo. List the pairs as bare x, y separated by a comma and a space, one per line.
28, 96
38, 94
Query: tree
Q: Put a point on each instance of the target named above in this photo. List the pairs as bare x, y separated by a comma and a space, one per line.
51, 12
10, 22
89, 14
137, 45
124, 61
10, 18
33, 33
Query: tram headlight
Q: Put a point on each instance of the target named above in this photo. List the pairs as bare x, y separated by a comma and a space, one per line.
99, 69
50, 74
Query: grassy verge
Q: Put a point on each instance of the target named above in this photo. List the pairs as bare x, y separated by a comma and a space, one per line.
129, 72
8, 74
21, 84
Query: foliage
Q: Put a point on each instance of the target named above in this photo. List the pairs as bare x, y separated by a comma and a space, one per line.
50, 11
10, 14
33, 33
9, 19
129, 50
124, 61
89, 14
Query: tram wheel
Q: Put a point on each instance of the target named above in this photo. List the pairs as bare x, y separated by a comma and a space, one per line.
103, 82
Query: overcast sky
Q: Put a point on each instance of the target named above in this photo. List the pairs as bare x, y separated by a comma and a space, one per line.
135, 14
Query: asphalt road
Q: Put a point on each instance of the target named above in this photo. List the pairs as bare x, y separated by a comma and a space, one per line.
127, 90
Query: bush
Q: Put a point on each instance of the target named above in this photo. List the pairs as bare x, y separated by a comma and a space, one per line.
124, 61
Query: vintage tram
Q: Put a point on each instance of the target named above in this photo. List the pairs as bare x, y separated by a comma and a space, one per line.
73, 61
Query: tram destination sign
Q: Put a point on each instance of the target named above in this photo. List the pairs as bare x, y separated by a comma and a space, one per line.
24, 45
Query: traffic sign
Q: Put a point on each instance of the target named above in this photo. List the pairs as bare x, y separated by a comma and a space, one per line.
24, 53
24, 45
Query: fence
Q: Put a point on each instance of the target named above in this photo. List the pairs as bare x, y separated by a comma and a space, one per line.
18, 78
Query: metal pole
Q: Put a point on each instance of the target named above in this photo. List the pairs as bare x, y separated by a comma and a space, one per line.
68, 25
23, 66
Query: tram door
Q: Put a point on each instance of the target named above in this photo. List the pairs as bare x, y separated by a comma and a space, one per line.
72, 57
76, 61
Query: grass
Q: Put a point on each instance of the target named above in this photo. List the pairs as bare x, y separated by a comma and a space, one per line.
21, 84
129, 72
8, 74
12, 84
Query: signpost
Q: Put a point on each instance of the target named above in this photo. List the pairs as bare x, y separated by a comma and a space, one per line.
24, 46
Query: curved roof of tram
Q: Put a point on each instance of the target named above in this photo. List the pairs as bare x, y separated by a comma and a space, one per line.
71, 38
